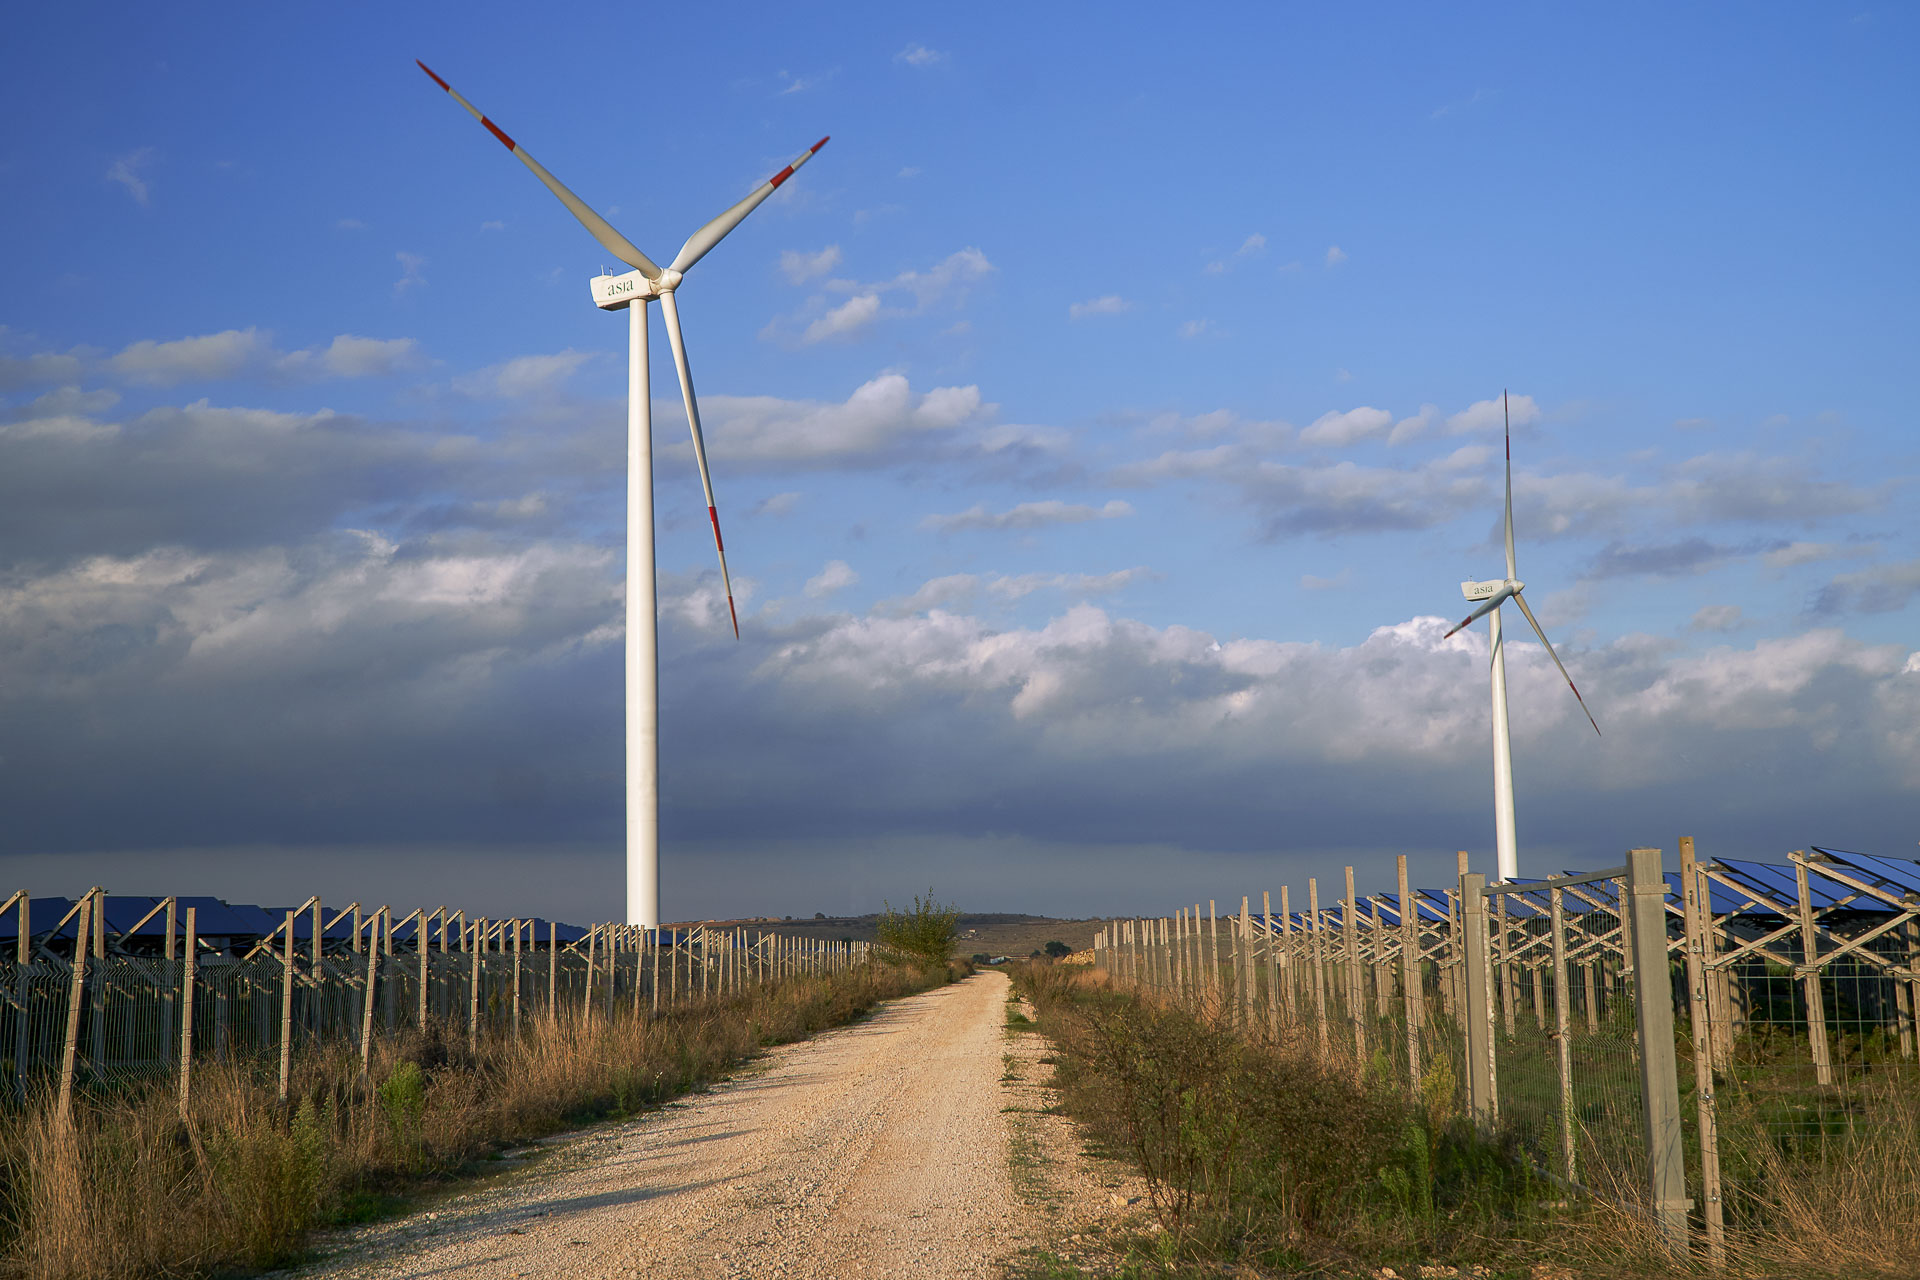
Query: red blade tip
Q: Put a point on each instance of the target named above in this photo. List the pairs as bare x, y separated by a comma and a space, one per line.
436, 79
734, 615
816, 146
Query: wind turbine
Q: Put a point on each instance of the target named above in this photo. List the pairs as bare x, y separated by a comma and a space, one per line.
632, 292
1495, 593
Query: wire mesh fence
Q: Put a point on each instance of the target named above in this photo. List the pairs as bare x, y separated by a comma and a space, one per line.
1564, 1014
99, 998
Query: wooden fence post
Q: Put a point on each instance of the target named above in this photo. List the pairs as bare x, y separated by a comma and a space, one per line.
186, 1015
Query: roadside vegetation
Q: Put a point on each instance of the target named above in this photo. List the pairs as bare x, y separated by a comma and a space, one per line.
128, 1190
923, 936
1259, 1161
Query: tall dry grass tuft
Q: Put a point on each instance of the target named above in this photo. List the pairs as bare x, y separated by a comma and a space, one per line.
1841, 1202
129, 1190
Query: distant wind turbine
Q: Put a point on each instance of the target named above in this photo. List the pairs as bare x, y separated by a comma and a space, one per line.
1494, 593
645, 283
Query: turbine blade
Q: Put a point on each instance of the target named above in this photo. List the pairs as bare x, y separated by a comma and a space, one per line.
1535, 624
610, 240
1493, 602
714, 232
1507, 425
672, 311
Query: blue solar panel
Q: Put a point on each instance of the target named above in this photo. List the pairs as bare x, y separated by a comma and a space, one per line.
1897, 880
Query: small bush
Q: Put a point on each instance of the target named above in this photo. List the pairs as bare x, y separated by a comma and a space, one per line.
923, 936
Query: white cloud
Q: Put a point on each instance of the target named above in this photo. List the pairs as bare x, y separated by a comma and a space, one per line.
349, 224
946, 283
801, 267
837, 576
1339, 430
878, 419
126, 170
844, 321
1252, 247
800, 84
918, 55
1020, 586
212, 356
1111, 304
1485, 417
1314, 582
1795, 554
411, 265
240, 353
493, 224
1026, 515
1335, 255
1414, 427
523, 375
348, 356
1196, 328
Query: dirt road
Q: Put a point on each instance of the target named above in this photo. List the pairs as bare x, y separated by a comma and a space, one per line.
875, 1150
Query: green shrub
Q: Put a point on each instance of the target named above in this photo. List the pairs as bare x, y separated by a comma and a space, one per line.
923, 936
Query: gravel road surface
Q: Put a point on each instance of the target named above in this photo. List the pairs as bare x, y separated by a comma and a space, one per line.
874, 1150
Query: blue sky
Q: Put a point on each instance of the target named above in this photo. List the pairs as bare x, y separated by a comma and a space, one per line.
1100, 425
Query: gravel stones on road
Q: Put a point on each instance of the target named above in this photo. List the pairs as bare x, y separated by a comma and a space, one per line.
878, 1149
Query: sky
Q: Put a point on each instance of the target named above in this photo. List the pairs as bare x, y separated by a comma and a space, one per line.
1101, 425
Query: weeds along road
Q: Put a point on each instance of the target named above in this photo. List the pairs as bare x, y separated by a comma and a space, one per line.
873, 1150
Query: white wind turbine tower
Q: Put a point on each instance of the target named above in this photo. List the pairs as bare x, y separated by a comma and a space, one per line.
1494, 593
632, 292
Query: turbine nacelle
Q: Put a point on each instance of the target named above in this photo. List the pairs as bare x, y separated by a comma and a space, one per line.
617, 293
1485, 590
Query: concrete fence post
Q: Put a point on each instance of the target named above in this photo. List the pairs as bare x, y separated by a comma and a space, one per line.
1356, 992
1659, 1074
286, 1012
1699, 911
70, 1049
1411, 976
1319, 970
1562, 1029
1478, 975
186, 1013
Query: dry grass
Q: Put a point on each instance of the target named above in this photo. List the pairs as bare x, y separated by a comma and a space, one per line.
1844, 1202
1262, 1161
128, 1190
